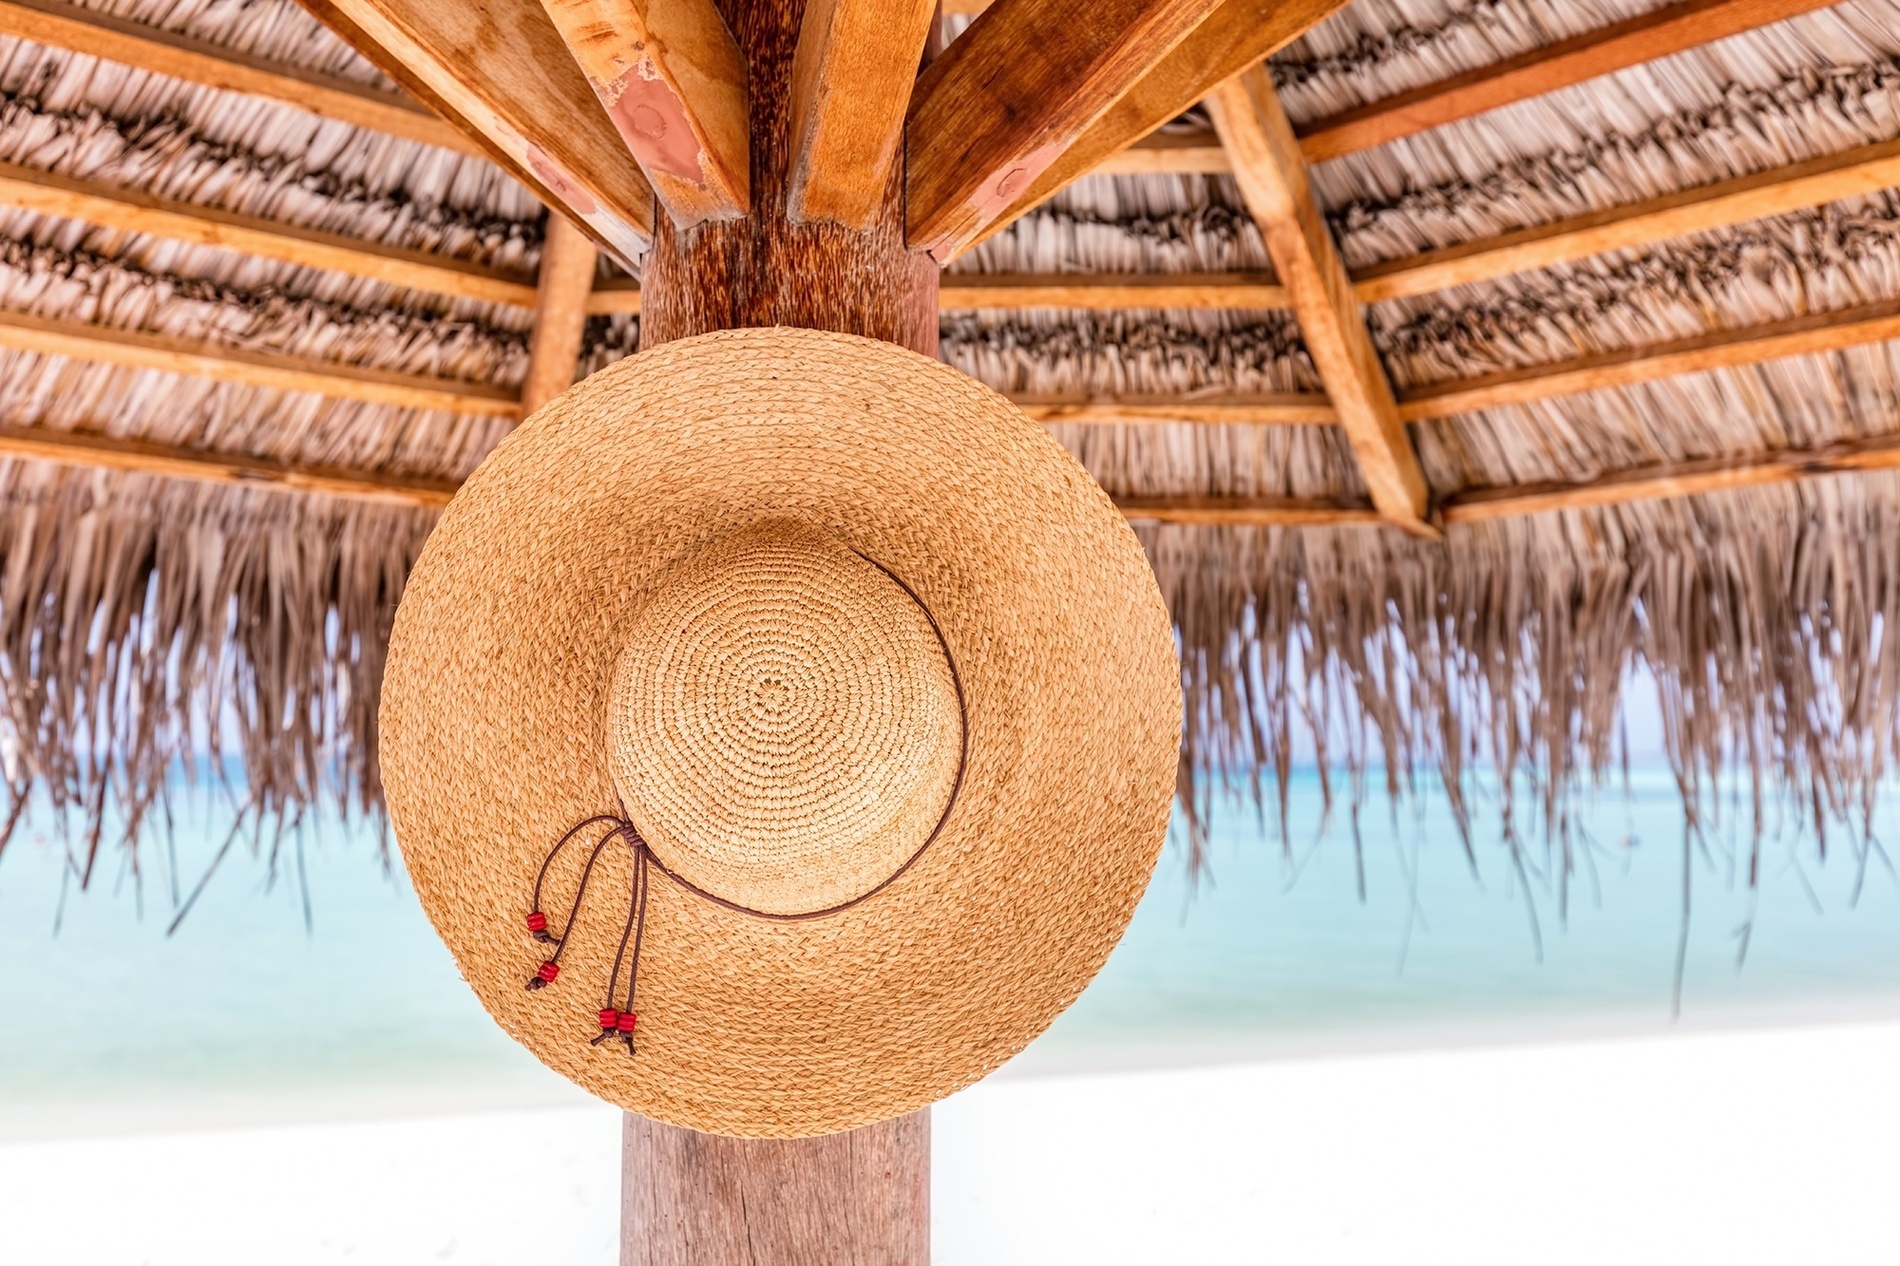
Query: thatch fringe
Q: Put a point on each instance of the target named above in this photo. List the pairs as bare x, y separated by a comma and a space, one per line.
1762, 618
146, 624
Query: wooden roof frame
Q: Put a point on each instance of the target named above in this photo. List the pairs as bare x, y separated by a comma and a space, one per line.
1670, 30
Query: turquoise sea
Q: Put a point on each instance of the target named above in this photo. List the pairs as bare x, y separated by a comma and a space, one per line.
1263, 952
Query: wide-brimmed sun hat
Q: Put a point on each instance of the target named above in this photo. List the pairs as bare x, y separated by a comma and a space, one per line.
780, 729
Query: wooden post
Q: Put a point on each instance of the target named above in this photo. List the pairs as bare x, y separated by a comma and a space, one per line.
861, 1198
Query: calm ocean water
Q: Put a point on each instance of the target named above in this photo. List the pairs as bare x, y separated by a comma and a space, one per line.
1263, 953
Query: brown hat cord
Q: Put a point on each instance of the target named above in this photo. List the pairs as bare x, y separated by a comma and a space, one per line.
619, 1022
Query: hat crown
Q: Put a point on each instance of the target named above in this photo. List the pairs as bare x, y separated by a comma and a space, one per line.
784, 726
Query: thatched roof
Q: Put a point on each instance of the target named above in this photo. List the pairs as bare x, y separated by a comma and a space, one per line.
142, 615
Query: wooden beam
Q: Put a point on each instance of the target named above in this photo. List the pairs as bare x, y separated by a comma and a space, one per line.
147, 48
1815, 333
1821, 180
1011, 292
1274, 181
134, 350
1236, 35
670, 77
1249, 511
1292, 409
499, 69
135, 212
101, 452
1646, 37
568, 263
1105, 292
852, 76
1196, 153
1012, 95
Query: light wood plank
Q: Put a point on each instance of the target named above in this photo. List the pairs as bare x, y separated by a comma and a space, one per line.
134, 350
500, 70
1292, 409
1106, 292
1677, 479
1197, 153
1274, 181
147, 48
1828, 179
1006, 100
1092, 292
568, 263
671, 78
1236, 35
100, 452
852, 76
1726, 349
135, 212
1248, 512
1640, 39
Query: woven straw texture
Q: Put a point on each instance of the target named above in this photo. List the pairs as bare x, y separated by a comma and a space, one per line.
673, 510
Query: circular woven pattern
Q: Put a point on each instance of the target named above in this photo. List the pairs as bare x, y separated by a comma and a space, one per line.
783, 727
550, 572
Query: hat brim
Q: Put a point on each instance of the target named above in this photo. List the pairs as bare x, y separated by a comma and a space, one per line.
494, 723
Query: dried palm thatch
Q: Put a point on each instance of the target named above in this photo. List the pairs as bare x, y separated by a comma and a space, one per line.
143, 621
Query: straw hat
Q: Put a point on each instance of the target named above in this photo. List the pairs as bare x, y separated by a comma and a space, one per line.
868, 689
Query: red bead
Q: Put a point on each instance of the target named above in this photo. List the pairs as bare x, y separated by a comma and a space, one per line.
627, 1020
549, 970
609, 1018
537, 922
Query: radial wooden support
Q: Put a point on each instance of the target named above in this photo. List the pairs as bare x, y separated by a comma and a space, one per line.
1273, 180
1814, 333
863, 1196
146, 48
1713, 206
851, 82
136, 212
568, 261
1644, 38
102, 452
856, 1199
1010, 97
132, 349
672, 81
1236, 35
500, 71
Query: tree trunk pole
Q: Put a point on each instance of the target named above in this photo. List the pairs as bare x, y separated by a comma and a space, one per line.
861, 1198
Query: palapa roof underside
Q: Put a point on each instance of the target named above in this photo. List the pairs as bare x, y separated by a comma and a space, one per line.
1670, 454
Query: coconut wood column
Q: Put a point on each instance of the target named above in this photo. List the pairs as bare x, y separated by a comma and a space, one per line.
861, 1198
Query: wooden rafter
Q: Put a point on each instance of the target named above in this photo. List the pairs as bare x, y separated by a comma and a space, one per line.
1697, 210
1775, 192
1816, 332
100, 452
1644, 38
1011, 96
1236, 35
134, 350
1196, 153
135, 212
1289, 409
1647, 483
1014, 292
499, 70
851, 82
147, 48
670, 77
1273, 180
568, 262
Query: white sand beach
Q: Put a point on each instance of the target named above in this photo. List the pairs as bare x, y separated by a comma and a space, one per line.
1770, 1145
